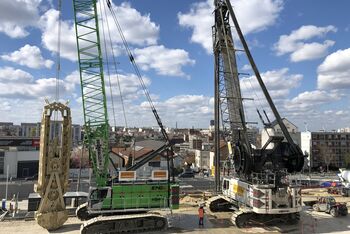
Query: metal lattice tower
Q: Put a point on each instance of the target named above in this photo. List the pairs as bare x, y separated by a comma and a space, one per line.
230, 99
92, 86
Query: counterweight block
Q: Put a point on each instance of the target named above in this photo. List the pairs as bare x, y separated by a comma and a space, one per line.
55, 148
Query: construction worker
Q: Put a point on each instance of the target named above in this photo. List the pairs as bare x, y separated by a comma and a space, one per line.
16, 205
13, 205
201, 215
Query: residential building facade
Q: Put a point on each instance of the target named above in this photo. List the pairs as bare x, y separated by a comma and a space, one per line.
332, 148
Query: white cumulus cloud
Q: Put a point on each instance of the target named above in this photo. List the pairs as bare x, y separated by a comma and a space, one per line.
295, 43
138, 30
29, 56
17, 15
18, 84
334, 72
278, 82
311, 99
163, 60
49, 26
253, 16
187, 110
311, 51
12, 75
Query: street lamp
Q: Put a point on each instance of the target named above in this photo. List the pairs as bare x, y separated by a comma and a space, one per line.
7, 180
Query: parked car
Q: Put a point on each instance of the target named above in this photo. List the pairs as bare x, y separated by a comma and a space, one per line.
187, 174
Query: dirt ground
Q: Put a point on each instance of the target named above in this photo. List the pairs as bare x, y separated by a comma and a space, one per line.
185, 220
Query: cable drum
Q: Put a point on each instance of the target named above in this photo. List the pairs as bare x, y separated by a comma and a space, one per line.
242, 159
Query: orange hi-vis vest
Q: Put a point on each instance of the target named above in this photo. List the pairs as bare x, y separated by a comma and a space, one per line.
201, 212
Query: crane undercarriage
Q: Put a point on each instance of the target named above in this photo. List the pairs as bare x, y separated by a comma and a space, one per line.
131, 208
131, 223
258, 203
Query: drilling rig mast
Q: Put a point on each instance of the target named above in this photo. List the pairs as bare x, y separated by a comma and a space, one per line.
258, 186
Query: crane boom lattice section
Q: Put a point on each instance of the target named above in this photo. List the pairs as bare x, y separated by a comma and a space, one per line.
92, 85
232, 113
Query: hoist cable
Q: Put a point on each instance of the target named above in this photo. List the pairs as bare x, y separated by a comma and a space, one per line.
256, 94
255, 103
58, 55
115, 67
55, 130
107, 64
137, 71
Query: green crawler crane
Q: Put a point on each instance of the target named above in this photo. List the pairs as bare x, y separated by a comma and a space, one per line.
121, 206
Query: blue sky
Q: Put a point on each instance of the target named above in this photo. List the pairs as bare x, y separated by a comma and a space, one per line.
301, 48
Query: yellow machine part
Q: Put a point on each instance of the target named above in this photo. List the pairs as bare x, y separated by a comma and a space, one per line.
53, 174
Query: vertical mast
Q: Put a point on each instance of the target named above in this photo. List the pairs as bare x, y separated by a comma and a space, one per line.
217, 130
228, 99
92, 86
258, 77
232, 112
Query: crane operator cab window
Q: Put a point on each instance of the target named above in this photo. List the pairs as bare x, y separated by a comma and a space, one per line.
226, 184
331, 200
98, 195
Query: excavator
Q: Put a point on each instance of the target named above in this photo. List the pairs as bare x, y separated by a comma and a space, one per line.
258, 189
125, 203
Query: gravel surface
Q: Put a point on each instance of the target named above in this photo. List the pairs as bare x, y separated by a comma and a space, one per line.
185, 220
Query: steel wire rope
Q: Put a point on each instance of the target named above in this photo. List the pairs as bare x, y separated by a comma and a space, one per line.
137, 71
260, 103
58, 55
107, 64
115, 67
252, 88
239, 80
55, 130
239, 74
242, 100
259, 100
255, 93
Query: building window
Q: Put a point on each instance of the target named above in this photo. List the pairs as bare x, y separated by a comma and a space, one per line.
154, 164
2, 162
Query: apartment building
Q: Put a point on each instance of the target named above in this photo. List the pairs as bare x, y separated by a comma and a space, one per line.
332, 148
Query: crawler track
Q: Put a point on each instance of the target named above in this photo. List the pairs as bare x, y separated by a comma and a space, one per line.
124, 224
243, 219
81, 212
219, 204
